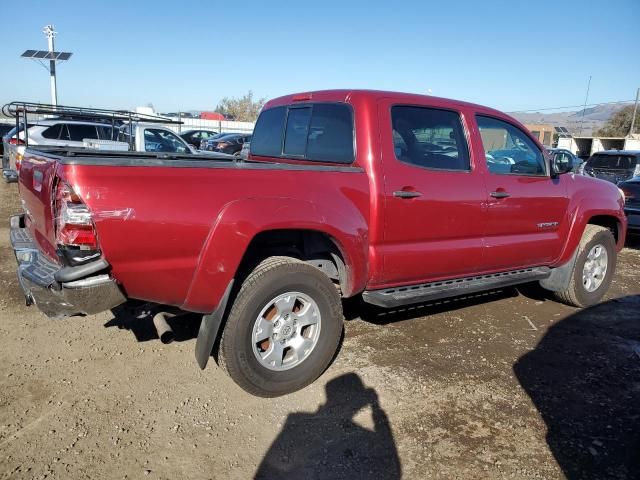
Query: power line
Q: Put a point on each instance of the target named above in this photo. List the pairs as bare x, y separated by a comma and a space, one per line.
584, 108
534, 110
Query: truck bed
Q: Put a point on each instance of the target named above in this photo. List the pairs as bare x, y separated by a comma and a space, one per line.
171, 205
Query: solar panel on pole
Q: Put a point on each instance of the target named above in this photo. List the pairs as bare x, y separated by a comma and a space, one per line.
52, 56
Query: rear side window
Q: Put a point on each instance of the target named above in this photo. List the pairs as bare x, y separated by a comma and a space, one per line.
105, 133
52, 132
64, 132
78, 132
429, 138
321, 132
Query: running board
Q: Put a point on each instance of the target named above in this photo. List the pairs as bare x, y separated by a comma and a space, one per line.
424, 292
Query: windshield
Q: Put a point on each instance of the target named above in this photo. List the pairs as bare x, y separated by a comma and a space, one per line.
618, 162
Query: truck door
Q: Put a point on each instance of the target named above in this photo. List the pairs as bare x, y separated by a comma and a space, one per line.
434, 209
527, 218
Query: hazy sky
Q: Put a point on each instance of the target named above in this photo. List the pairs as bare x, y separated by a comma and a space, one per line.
187, 55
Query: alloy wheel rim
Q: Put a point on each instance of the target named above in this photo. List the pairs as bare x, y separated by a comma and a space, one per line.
286, 331
595, 268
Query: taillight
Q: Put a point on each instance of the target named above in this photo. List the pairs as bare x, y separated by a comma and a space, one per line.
19, 157
74, 222
628, 195
15, 141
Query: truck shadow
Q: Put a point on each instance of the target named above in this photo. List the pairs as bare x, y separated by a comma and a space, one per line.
584, 379
329, 443
133, 316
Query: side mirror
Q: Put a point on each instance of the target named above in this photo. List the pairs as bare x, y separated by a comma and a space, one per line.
561, 163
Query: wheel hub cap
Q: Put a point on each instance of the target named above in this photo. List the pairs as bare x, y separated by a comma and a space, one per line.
595, 268
286, 331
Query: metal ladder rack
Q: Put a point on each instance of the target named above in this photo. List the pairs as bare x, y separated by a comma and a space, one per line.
21, 110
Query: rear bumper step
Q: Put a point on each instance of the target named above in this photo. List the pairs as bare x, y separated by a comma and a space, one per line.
61, 291
394, 297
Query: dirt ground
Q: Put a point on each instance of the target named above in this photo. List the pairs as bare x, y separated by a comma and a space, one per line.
507, 384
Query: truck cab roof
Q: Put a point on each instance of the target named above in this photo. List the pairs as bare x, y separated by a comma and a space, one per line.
346, 95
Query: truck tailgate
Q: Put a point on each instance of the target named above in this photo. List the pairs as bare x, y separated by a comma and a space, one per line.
36, 183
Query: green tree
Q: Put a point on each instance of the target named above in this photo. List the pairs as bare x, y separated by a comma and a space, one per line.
243, 109
619, 124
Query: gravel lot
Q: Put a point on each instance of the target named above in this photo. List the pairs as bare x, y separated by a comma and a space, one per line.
503, 385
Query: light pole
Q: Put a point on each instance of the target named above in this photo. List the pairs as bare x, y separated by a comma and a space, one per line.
52, 56
51, 33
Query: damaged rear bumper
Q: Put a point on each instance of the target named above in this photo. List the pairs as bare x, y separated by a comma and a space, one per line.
61, 291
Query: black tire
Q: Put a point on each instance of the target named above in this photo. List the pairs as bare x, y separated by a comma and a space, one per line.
272, 277
576, 294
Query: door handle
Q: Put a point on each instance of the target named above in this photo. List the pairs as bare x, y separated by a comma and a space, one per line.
500, 194
406, 194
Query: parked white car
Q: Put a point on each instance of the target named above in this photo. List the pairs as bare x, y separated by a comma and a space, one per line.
135, 136
50, 132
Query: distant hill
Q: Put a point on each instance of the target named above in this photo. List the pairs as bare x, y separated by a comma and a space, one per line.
594, 118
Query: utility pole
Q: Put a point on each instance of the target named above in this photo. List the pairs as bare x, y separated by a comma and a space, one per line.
586, 99
51, 33
635, 111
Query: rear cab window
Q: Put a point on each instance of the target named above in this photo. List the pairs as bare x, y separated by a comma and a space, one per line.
613, 162
321, 132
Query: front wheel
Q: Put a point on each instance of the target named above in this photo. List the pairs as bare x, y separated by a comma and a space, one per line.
593, 270
283, 328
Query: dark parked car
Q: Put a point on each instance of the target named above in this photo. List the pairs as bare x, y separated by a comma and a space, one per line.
614, 166
231, 143
562, 156
204, 143
631, 189
195, 137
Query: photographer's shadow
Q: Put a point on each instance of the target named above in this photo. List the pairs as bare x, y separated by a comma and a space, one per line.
328, 443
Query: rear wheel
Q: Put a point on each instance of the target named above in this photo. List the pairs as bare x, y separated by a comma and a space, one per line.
283, 328
593, 270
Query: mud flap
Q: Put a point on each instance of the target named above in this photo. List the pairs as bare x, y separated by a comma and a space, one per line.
209, 329
560, 277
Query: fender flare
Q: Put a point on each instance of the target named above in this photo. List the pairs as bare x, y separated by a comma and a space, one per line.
580, 217
241, 220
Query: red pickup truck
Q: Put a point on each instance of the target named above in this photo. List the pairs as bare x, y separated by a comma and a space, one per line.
397, 197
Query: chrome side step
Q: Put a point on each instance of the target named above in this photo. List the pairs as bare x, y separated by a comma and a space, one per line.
394, 297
